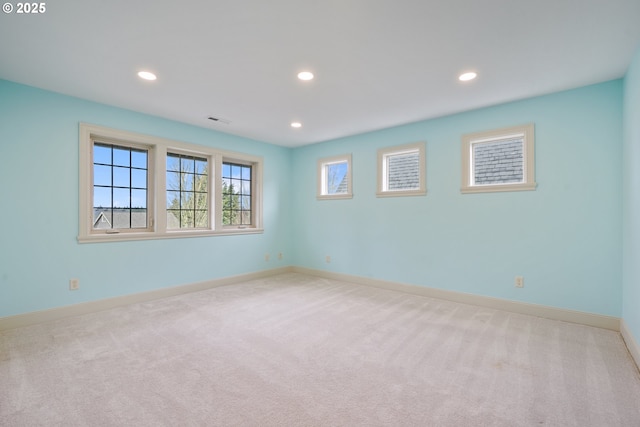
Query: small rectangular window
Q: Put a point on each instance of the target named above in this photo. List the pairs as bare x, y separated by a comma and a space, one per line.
187, 191
334, 177
120, 192
401, 170
499, 160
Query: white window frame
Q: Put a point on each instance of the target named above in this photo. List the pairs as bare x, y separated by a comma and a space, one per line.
156, 187
528, 151
322, 177
383, 156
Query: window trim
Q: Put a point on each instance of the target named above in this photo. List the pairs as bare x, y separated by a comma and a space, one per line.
528, 151
383, 153
157, 186
321, 186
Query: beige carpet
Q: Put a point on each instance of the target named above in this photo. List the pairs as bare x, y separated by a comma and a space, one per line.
294, 350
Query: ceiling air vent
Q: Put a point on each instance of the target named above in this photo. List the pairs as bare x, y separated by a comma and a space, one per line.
219, 120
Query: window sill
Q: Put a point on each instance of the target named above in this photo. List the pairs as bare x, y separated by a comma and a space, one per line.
335, 197
401, 193
491, 188
123, 237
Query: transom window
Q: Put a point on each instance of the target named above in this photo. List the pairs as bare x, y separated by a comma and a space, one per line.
499, 160
201, 190
187, 191
236, 194
334, 177
401, 170
120, 175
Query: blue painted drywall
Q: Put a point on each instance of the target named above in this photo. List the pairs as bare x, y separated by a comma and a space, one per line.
39, 215
631, 199
565, 238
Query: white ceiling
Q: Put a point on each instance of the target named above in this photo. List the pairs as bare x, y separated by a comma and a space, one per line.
378, 63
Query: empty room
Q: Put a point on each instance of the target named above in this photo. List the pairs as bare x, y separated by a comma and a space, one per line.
340, 213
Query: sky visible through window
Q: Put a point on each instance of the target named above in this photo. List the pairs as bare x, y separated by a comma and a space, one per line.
335, 175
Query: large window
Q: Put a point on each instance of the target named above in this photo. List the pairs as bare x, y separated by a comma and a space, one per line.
187, 191
401, 171
120, 176
334, 177
499, 160
236, 194
199, 190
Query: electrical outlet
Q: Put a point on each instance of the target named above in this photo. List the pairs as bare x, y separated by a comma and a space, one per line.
280, 256
266, 257
327, 259
519, 282
74, 284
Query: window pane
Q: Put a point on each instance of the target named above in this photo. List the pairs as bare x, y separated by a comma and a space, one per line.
101, 219
226, 170
102, 154
403, 171
121, 198
186, 164
202, 219
173, 200
246, 217
173, 180
498, 162
101, 175
246, 187
121, 218
173, 219
236, 171
173, 163
236, 186
201, 201
102, 197
138, 218
201, 167
121, 157
187, 182
139, 198
187, 199
121, 177
138, 178
226, 185
246, 172
139, 159
246, 202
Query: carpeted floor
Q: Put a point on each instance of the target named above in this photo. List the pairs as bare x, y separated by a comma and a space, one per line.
295, 350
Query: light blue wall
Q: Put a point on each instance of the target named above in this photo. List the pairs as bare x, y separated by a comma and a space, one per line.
39, 215
564, 238
631, 199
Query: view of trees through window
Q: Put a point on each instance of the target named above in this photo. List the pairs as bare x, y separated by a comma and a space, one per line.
187, 191
236, 194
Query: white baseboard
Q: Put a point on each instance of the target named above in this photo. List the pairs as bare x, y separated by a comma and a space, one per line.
36, 317
632, 344
589, 319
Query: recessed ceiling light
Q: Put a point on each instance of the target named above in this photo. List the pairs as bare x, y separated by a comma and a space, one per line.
465, 77
147, 75
305, 75
296, 125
